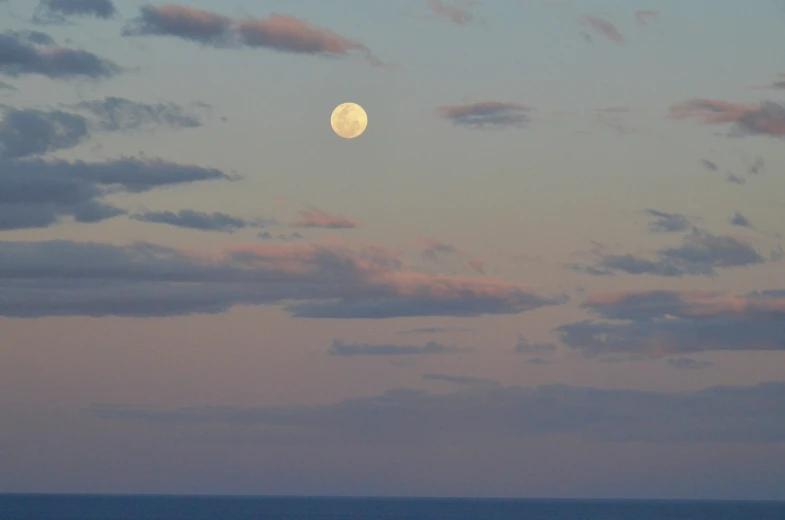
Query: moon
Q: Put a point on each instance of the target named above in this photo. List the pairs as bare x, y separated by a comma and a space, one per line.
349, 120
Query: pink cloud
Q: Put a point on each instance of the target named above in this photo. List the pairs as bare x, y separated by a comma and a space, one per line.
604, 27
453, 13
765, 118
315, 218
644, 16
278, 32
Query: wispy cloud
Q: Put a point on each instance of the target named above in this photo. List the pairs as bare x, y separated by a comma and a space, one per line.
19, 55
203, 221
661, 323
740, 220
604, 27
121, 114
477, 413
452, 11
486, 114
668, 222
341, 348
331, 280
688, 364
56, 10
524, 347
316, 218
276, 32
461, 380
701, 253
643, 17
766, 118
432, 330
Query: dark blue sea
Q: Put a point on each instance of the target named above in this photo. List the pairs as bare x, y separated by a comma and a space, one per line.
83, 507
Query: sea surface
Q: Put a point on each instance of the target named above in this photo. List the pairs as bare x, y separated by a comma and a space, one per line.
95, 507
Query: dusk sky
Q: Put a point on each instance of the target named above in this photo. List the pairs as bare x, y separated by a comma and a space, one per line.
552, 266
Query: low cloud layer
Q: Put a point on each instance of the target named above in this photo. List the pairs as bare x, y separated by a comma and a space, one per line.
316, 218
482, 412
276, 32
20, 56
35, 193
342, 348
766, 118
64, 278
658, 323
486, 114
700, 254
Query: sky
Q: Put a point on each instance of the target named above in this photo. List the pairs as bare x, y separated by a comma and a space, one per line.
552, 266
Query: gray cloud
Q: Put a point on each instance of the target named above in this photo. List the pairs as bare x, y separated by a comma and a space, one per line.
64, 278
766, 118
486, 114
740, 220
481, 412
32, 132
668, 222
56, 9
701, 254
19, 55
537, 361
36, 193
198, 220
688, 364
709, 165
461, 380
291, 237
432, 330
120, 114
657, 323
277, 32
735, 179
341, 348
524, 347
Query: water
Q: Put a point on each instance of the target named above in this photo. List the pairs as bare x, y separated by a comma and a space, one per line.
83, 507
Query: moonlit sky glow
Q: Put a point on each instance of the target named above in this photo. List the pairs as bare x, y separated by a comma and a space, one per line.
554, 267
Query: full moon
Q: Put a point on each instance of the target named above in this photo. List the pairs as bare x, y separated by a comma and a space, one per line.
349, 120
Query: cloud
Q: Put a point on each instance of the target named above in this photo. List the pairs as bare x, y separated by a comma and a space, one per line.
315, 218
434, 250
120, 114
341, 348
18, 56
740, 220
35, 193
688, 364
461, 380
503, 413
735, 179
701, 253
486, 114
603, 27
25, 132
643, 16
477, 264
7, 86
432, 330
668, 222
537, 361
661, 323
331, 280
198, 220
709, 165
277, 32
524, 347
58, 8
265, 235
766, 118
453, 13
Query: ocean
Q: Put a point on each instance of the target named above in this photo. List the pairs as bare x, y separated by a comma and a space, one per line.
96, 507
